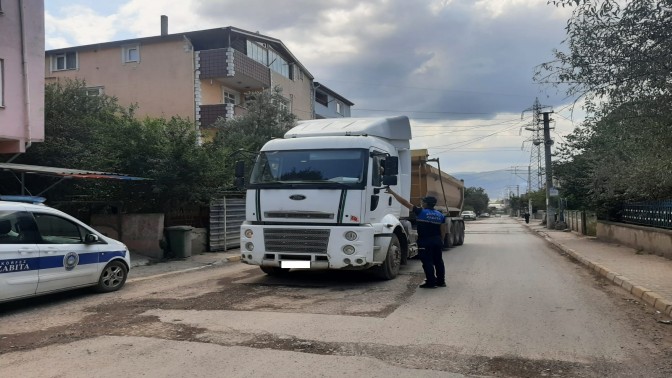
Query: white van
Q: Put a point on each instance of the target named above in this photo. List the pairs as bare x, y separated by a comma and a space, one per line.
43, 250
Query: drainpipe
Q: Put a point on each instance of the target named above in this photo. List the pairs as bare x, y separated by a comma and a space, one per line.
24, 68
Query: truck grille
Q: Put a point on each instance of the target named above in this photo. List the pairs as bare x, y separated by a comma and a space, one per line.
292, 240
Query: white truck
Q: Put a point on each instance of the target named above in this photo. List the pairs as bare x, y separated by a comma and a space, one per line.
316, 199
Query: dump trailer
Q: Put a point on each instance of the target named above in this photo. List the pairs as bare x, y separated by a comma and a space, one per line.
427, 180
316, 198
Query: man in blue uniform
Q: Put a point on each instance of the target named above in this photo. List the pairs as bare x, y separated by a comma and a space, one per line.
431, 230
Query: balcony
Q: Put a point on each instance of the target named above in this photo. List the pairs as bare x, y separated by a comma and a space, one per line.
210, 113
234, 69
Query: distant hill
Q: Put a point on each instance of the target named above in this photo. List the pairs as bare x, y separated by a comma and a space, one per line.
496, 183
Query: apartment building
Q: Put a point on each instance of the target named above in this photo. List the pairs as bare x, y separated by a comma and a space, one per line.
200, 75
21, 74
329, 104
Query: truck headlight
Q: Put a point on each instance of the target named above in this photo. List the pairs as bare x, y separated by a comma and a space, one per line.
348, 249
351, 235
249, 246
249, 233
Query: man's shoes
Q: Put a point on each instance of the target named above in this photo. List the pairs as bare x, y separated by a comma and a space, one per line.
427, 286
441, 284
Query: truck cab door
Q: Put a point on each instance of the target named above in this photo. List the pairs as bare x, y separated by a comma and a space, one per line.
380, 202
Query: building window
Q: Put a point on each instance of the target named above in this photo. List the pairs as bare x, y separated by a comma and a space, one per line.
64, 61
339, 107
95, 91
2, 83
130, 53
268, 58
321, 98
229, 98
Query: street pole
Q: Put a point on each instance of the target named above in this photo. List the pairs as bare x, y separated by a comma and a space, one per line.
529, 191
550, 211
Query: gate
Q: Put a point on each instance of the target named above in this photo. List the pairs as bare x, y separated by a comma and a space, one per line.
226, 216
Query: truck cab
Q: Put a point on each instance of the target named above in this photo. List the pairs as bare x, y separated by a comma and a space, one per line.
316, 198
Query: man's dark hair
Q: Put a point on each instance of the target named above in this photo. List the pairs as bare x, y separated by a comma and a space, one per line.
430, 201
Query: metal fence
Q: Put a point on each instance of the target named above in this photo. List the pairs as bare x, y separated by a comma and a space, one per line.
226, 216
653, 214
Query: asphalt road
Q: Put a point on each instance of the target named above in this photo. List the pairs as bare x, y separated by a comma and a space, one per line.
513, 307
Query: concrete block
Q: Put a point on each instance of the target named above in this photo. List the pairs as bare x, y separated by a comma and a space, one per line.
626, 285
638, 291
662, 305
651, 297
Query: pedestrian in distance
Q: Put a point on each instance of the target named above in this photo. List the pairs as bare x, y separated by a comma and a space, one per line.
431, 232
527, 217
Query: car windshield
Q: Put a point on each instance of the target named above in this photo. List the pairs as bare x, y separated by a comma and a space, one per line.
310, 166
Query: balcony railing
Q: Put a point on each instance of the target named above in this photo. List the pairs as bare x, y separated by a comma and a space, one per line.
211, 113
234, 68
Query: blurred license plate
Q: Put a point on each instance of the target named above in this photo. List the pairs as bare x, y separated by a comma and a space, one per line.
295, 264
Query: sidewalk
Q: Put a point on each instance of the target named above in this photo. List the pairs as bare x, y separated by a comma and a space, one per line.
648, 277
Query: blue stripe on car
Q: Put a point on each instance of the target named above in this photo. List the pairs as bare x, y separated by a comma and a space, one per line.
48, 262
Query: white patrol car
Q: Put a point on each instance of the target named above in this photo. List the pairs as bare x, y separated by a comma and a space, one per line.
43, 250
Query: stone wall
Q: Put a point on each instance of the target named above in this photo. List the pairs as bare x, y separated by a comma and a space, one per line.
140, 232
648, 239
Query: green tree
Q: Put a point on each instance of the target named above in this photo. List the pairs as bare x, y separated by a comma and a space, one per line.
240, 138
95, 133
476, 199
617, 59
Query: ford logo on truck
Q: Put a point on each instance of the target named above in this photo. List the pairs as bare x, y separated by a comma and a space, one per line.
297, 197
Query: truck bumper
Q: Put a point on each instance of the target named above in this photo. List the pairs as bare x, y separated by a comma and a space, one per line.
318, 247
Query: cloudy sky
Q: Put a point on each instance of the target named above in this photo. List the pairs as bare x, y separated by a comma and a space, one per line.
460, 69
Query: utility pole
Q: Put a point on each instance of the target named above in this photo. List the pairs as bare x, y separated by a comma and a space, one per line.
548, 142
535, 150
529, 191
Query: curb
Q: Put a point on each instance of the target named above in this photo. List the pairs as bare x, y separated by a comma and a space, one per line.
648, 296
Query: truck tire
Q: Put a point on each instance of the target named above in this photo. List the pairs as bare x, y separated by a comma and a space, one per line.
274, 270
460, 233
448, 239
390, 267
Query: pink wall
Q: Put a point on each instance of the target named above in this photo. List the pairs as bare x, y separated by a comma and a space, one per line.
22, 113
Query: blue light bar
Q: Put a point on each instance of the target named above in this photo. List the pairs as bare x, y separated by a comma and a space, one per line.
28, 199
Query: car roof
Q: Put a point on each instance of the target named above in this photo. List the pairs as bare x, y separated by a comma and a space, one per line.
13, 205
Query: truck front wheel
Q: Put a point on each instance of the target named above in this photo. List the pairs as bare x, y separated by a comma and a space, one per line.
274, 270
390, 267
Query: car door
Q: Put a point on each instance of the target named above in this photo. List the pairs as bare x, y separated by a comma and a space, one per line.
66, 261
19, 256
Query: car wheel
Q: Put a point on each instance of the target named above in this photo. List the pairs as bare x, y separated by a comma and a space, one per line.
113, 277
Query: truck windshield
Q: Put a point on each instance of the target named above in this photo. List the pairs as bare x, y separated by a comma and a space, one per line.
311, 166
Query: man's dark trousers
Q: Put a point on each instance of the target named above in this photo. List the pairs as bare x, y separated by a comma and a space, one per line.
432, 260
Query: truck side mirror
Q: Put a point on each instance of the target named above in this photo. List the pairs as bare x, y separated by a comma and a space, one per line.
389, 180
239, 183
391, 166
240, 169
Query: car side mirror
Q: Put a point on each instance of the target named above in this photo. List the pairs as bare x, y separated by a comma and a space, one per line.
91, 239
